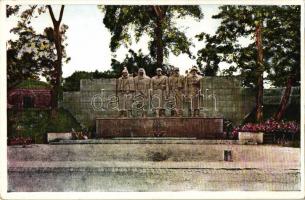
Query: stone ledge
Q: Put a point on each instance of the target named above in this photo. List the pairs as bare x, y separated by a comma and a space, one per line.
145, 170
146, 141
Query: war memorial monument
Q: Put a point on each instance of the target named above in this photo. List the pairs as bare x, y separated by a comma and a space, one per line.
150, 127
154, 131
175, 106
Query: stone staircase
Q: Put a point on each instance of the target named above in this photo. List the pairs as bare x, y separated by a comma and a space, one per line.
134, 165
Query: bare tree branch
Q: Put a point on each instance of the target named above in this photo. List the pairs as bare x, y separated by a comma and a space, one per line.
61, 13
52, 15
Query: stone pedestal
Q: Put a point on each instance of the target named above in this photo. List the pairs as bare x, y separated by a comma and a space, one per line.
198, 127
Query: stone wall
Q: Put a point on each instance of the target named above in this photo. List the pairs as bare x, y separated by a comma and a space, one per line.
221, 97
233, 102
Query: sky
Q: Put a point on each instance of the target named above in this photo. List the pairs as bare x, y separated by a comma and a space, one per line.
88, 39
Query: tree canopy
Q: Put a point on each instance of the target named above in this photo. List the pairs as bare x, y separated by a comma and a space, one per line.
72, 83
158, 22
273, 51
280, 41
133, 61
32, 54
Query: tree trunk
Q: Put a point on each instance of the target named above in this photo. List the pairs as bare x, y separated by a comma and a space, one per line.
160, 14
158, 32
260, 71
58, 63
58, 67
284, 100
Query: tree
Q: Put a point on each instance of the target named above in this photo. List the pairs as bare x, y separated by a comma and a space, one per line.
57, 38
11, 10
286, 60
158, 22
207, 57
31, 54
72, 83
34, 53
133, 61
273, 44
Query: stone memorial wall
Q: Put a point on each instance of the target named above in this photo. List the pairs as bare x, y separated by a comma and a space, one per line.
219, 97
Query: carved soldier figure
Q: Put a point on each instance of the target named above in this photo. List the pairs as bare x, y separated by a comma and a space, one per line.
125, 87
159, 85
142, 86
176, 87
192, 90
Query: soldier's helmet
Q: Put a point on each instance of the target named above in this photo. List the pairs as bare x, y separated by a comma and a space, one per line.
159, 69
125, 70
194, 68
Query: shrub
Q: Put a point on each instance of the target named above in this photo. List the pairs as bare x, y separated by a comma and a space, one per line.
34, 124
20, 141
289, 129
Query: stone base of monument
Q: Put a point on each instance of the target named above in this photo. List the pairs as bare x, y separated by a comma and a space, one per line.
197, 127
251, 137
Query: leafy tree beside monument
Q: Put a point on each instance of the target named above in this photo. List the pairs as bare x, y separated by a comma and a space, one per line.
33, 54
273, 52
56, 35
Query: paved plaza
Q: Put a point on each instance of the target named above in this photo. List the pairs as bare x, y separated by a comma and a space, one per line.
119, 166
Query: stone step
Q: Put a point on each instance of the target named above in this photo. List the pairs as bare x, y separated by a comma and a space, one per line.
153, 152
149, 165
151, 180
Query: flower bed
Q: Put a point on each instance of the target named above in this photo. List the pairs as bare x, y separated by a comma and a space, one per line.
281, 132
20, 141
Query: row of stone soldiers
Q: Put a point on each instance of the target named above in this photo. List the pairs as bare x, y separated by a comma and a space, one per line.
162, 87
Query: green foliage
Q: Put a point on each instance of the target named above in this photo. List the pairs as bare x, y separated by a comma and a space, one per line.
32, 54
33, 84
121, 20
133, 62
36, 123
28, 57
292, 113
280, 40
72, 83
209, 55
63, 122
11, 10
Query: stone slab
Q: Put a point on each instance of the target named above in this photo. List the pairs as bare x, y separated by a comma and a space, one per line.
156, 140
246, 137
152, 180
58, 136
253, 156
